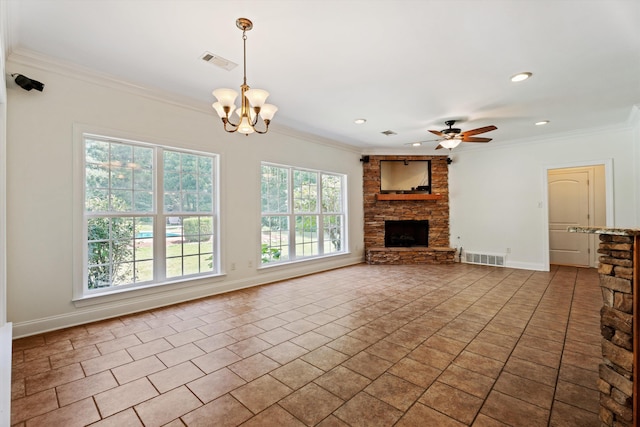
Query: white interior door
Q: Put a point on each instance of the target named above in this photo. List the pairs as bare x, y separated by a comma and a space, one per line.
568, 206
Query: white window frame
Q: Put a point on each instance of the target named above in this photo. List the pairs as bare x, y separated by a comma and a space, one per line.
291, 215
80, 288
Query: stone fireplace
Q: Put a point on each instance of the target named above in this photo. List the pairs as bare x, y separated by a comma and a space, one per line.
428, 213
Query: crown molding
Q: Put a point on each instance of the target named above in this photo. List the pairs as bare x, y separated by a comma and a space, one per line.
42, 62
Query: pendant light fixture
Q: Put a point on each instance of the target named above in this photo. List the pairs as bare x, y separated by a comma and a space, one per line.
252, 102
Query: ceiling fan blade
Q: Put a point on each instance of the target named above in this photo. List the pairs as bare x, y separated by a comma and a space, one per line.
474, 139
436, 132
479, 130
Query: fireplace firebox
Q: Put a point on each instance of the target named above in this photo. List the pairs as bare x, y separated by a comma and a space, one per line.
406, 233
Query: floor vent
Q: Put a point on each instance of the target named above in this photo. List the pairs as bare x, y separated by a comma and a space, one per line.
484, 259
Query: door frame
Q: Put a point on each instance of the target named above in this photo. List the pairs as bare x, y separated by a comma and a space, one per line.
608, 189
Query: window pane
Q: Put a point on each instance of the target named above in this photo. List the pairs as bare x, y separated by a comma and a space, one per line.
331, 193
191, 264
306, 236
96, 151
275, 189
305, 191
172, 202
97, 176
332, 225
188, 180
205, 165
275, 239
121, 201
189, 202
121, 154
189, 163
205, 202
143, 201
144, 271
171, 180
143, 179
97, 201
194, 240
115, 251
119, 178
143, 157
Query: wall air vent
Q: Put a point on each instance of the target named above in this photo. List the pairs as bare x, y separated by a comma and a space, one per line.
218, 61
484, 259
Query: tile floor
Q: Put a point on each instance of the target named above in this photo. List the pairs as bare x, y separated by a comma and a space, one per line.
359, 346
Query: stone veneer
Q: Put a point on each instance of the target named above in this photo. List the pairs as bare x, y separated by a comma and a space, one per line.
618, 383
436, 211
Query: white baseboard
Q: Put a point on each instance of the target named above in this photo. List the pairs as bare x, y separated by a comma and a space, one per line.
5, 374
526, 265
127, 306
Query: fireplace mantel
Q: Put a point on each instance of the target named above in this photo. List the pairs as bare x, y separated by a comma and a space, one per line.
407, 196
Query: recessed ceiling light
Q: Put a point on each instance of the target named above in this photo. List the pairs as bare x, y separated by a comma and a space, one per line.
359, 121
542, 122
521, 77
416, 144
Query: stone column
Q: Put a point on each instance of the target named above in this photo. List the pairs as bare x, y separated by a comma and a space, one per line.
616, 383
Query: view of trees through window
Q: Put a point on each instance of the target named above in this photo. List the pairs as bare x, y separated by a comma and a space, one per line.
302, 213
124, 211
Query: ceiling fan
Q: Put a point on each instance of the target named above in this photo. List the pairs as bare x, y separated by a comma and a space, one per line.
453, 136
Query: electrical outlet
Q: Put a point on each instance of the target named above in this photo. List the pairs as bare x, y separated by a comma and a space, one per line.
250, 264
233, 266
508, 250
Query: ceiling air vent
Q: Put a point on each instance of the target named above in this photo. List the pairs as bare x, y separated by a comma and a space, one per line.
218, 61
388, 132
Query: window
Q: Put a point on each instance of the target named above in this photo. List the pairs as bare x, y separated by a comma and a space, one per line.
134, 192
303, 214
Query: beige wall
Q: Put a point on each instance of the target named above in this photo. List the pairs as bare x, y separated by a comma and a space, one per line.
40, 193
498, 194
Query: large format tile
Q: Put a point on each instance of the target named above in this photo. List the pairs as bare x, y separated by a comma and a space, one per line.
364, 345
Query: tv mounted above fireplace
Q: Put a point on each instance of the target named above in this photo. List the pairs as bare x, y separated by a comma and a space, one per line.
405, 176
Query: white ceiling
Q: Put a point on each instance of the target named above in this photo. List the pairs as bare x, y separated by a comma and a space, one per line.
405, 66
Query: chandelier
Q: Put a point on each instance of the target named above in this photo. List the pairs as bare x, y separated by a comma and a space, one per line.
252, 102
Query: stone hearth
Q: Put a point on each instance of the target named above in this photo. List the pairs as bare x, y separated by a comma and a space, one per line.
433, 208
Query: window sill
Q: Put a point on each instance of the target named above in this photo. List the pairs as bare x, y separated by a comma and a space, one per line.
302, 260
142, 291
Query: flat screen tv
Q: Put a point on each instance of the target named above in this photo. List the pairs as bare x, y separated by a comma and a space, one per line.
405, 176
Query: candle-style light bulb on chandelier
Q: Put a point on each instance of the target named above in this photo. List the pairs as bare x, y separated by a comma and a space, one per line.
252, 103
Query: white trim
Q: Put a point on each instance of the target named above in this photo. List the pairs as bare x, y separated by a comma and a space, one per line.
608, 177
6, 334
526, 265
80, 296
171, 297
291, 215
6, 329
21, 56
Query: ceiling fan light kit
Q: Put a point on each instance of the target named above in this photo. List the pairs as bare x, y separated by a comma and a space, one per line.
252, 101
452, 137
